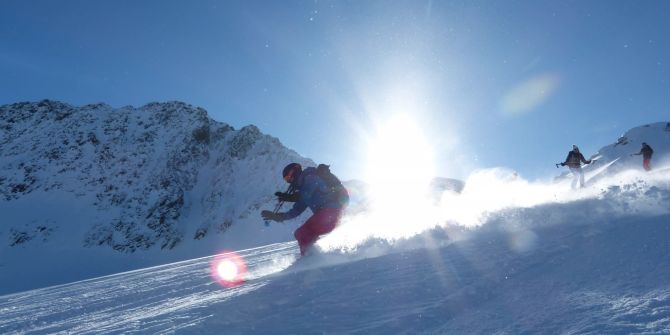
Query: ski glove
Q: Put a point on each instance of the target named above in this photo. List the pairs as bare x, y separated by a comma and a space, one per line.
272, 216
288, 197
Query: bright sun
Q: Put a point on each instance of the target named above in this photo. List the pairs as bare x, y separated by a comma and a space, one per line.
400, 169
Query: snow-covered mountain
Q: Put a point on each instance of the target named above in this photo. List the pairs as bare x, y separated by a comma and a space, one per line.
77, 180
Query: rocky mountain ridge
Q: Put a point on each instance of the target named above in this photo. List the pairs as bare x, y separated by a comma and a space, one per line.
139, 170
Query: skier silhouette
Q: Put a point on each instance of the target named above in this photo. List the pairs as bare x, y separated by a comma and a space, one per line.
646, 153
317, 189
574, 162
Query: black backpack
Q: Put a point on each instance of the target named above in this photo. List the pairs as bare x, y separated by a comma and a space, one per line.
335, 185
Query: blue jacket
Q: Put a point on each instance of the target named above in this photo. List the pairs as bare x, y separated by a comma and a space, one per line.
314, 193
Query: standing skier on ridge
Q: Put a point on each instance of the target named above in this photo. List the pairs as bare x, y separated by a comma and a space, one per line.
646, 153
318, 189
574, 162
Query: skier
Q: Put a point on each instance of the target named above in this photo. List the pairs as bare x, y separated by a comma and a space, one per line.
317, 189
646, 153
574, 162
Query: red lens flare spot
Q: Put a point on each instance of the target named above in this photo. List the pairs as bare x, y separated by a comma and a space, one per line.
228, 269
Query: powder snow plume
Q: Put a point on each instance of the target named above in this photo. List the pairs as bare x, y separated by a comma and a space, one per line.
492, 194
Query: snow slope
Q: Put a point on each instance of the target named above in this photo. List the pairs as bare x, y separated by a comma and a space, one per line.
585, 263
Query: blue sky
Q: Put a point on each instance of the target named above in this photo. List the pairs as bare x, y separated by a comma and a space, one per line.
491, 83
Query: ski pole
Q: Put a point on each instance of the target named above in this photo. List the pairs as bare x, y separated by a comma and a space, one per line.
280, 203
276, 210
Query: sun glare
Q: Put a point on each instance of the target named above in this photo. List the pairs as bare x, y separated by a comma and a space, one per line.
400, 169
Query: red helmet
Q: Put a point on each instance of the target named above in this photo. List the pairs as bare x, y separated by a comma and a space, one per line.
291, 172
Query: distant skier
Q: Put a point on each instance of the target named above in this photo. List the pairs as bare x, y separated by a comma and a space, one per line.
646, 153
574, 162
318, 189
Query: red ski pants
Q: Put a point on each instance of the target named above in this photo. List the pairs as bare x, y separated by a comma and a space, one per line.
322, 222
646, 164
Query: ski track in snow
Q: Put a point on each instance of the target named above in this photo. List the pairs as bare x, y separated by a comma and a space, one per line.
609, 278
151, 300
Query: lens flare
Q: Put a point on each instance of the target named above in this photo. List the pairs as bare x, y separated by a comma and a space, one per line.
228, 269
529, 95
